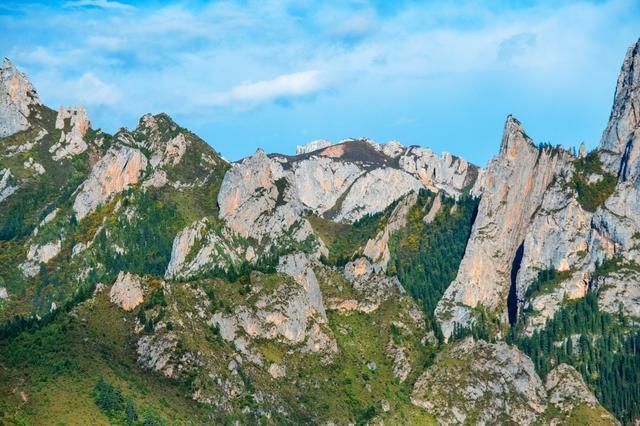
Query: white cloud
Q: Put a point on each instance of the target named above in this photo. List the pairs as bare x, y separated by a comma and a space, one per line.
88, 90
102, 4
285, 86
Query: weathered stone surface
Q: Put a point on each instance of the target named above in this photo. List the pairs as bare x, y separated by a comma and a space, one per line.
438, 173
72, 134
374, 191
120, 167
156, 352
38, 254
17, 97
494, 383
7, 187
300, 267
401, 363
264, 196
249, 196
312, 146
277, 371
557, 238
288, 313
3, 293
35, 166
164, 150
320, 181
567, 389
126, 291
377, 248
435, 208
200, 247
513, 189
620, 290
370, 288
621, 139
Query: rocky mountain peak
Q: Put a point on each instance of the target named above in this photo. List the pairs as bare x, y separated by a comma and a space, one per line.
626, 103
312, 146
514, 137
73, 124
620, 140
17, 95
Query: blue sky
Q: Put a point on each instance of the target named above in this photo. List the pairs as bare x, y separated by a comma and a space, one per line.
274, 74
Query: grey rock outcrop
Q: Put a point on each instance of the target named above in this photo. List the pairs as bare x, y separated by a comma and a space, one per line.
118, 169
312, 146
72, 134
199, 247
38, 254
370, 287
126, 291
513, 188
267, 196
375, 191
438, 173
567, 389
621, 140
17, 97
249, 198
620, 290
377, 248
495, 383
7, 186
300, 267
291, 313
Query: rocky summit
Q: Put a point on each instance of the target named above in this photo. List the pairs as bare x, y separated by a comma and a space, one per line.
144, 279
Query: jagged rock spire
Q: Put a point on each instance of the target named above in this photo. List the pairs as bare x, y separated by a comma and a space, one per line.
625, 113
17, 96
513, 137
621, 138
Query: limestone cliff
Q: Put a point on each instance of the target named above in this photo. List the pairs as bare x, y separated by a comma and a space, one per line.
17, 99
497, 384
513, 188
120, 167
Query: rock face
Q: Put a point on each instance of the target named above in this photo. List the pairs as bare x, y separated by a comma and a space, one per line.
6, 184
621, 139
375, 191
251, 202
292, 313
620, 290
165, 150
312, 146
199, 247
557, 238
266, 196
126, 291
377, 249
446, 173
38, 254
72, 134
567, 389
512, 190
497, 384
120, 167
17, 97
299, 267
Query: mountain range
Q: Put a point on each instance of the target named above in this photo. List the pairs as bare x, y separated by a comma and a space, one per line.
144, 279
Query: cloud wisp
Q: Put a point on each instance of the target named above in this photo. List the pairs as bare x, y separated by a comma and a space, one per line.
101, 4
286, 86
